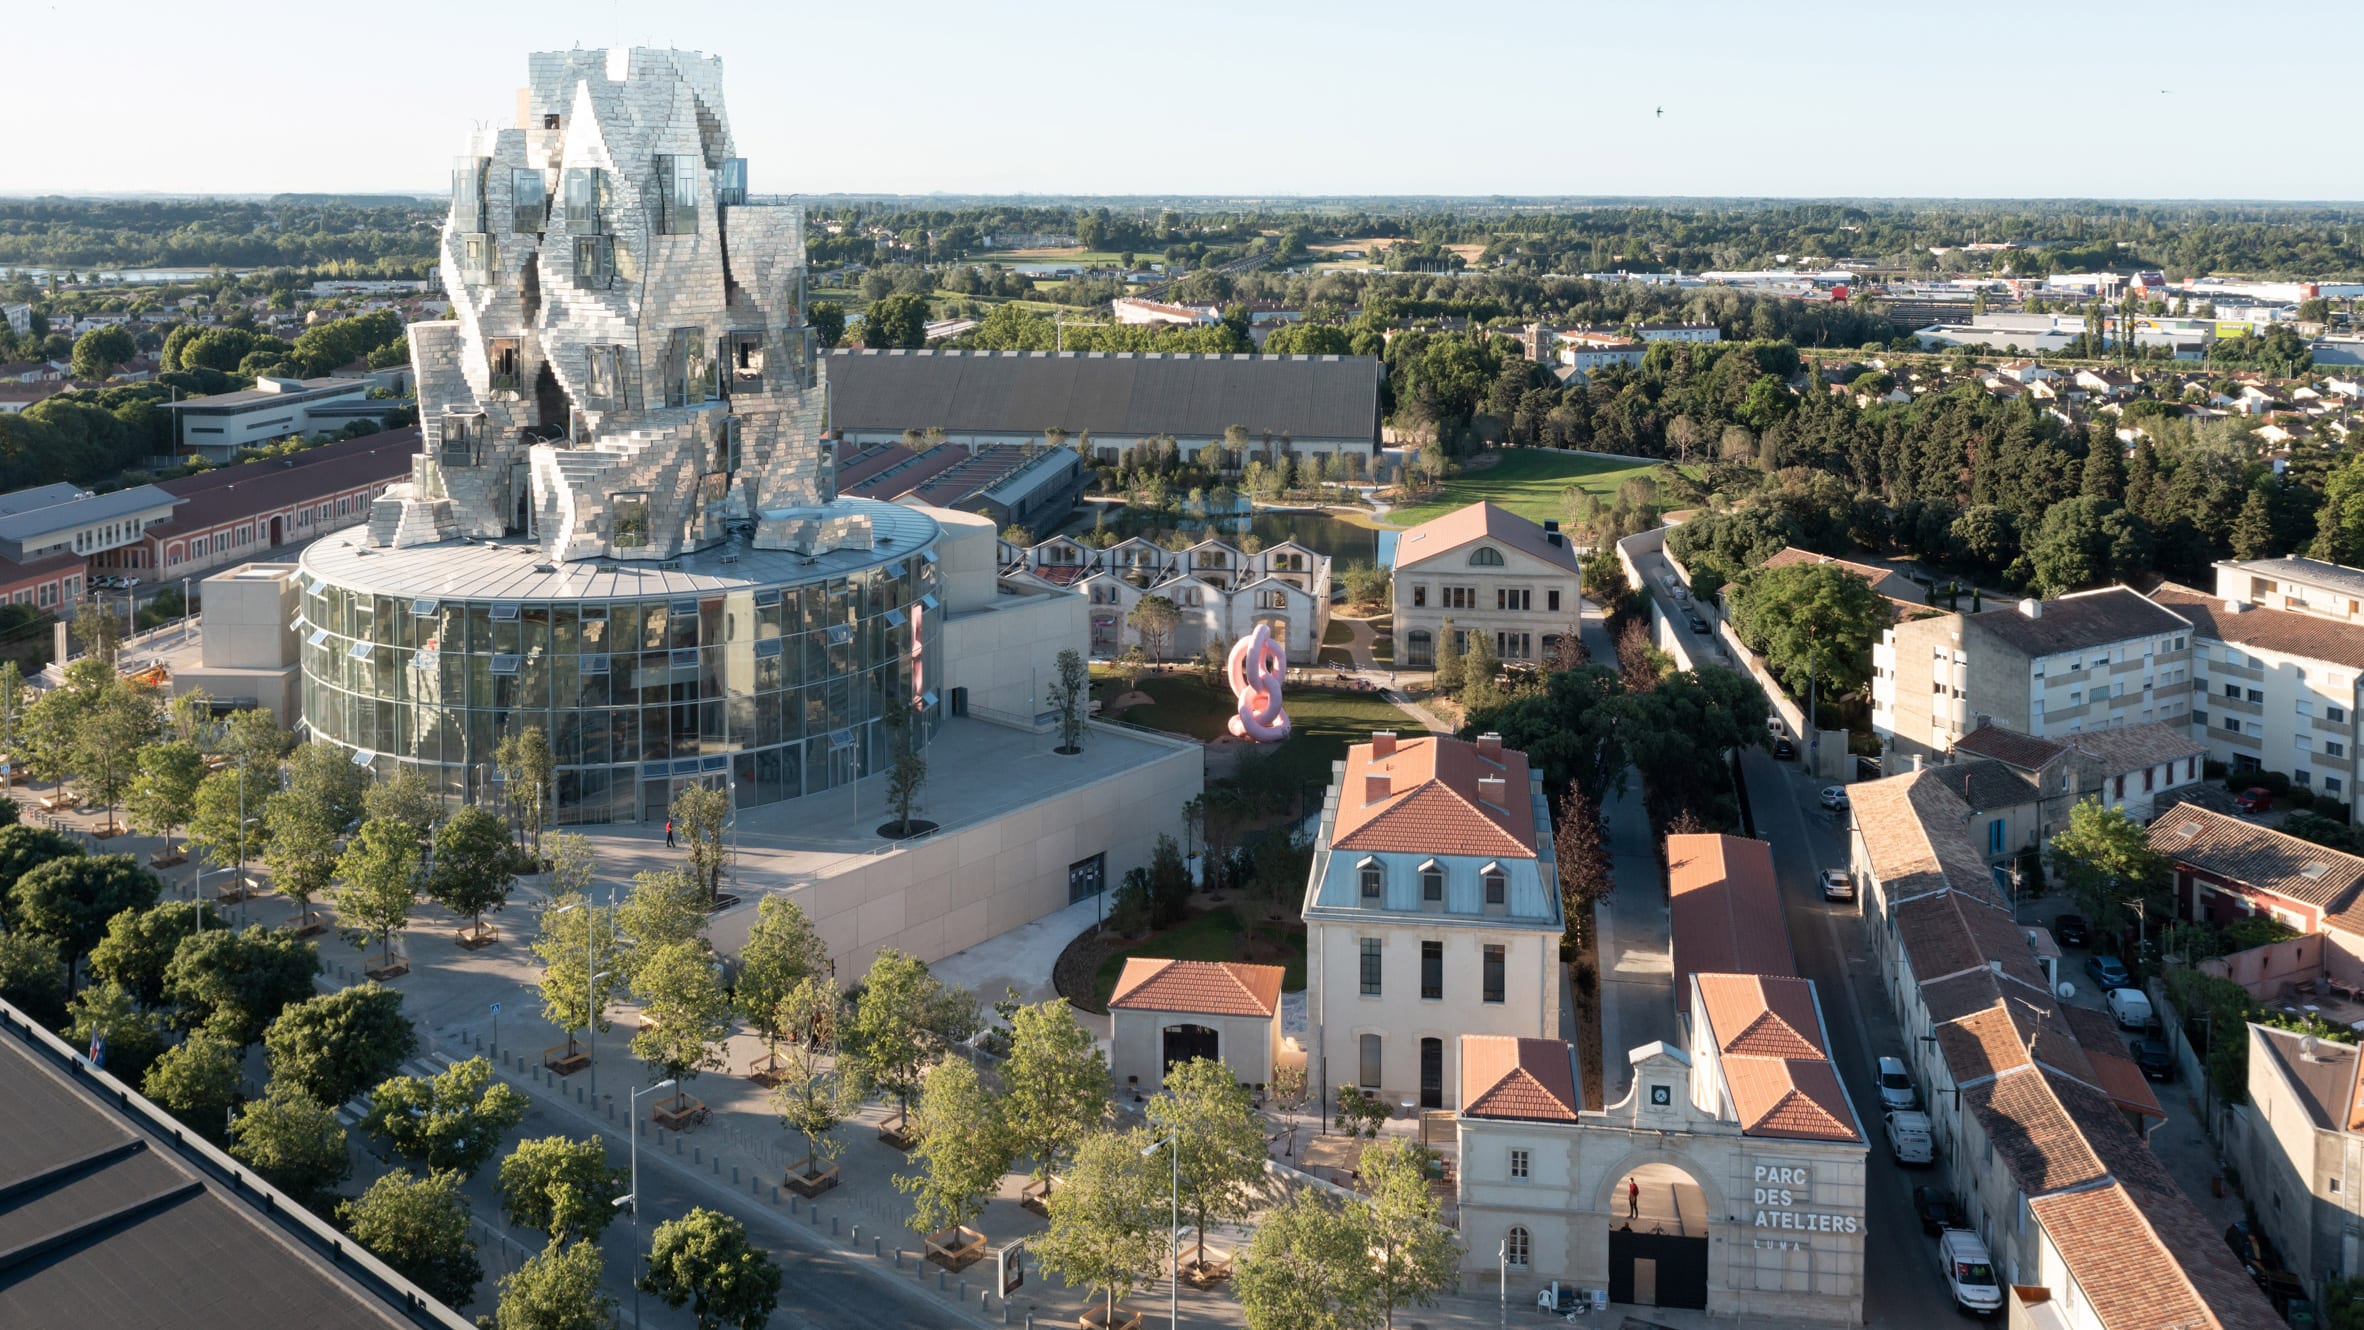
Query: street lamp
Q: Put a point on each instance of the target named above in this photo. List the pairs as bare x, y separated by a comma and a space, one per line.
592, 974
665, 1084
1174, 1307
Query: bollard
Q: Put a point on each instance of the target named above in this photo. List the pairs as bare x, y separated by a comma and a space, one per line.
964, 1288
939, 1281
776, 1196
791, 1203
874, 1249
833, 1226
697, 1154
611, 1110
718, 1166
677, 1145
734, 1175
1005, 1311
857, 1235
984, 1300
898, 1254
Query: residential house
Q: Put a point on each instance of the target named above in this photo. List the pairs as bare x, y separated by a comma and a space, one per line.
1487, 570
2229, 868
1220, 591
1432, 912
2303, 1165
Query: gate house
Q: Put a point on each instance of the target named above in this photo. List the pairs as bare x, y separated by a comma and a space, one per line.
1169, 1011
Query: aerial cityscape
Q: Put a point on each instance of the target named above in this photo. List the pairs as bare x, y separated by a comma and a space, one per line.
628, 699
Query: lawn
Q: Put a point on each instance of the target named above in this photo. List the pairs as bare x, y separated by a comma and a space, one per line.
1323, 721
1527, 481
1217, 935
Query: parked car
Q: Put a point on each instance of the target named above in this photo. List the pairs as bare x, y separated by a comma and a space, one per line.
1969, 1272
2255, 799
1896, 1085
1834, 797
2155, 1059
1867, 768
1908, 1136
2250, 1247
1784, 750
2107, 971
1698, 625
1836, 885
2070, 930
1935, 1206
2130, 1008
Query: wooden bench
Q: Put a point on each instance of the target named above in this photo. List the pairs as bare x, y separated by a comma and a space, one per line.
566, 1059
677, 1114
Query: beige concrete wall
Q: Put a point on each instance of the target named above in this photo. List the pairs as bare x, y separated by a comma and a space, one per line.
1007, 653
967, 554
248, 617
1136, 1042
1340, 1015
976, 881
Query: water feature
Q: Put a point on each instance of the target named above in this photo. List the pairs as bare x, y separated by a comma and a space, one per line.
124, 276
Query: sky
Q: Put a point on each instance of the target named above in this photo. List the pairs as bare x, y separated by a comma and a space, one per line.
2070, 98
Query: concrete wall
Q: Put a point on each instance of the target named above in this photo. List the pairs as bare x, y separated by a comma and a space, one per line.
2263, 970
1136, 1042
249, 617
1006, 654
971, 882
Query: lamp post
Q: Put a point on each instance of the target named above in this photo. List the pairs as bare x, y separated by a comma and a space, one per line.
1502, 1288
592, 974
1173, 1307
634, 1195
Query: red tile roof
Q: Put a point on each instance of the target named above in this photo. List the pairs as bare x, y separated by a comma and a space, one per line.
1207, 988
1504, 1077
1726, 907
246, 489
1481, 521
2239, 850
1771, 1045
1432, 804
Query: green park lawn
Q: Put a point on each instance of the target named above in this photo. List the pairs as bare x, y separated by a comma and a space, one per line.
1217, 935
1527, 481
1323, 721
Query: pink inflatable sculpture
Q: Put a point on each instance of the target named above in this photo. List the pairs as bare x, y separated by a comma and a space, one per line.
1257, 667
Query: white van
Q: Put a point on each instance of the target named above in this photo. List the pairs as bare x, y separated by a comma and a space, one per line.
1908, 1136
1969, 1272
1896, 1085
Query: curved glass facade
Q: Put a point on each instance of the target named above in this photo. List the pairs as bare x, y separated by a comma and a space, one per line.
773, 689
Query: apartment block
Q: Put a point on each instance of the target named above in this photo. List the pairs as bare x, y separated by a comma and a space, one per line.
2275, 689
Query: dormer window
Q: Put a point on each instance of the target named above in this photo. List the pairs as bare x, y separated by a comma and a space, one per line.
1374, 879
1432, 883
1497, 884
1485, 556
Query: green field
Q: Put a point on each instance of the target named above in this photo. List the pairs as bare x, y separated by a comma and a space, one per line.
1527, 481
1322, 721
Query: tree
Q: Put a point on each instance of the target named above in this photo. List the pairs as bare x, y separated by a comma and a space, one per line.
1815, 624
2253, 530
1067, 696
335, 1046
1109, 1226
301, 824
453, 1121
702, 813
827, 318
419, 1226
237, 984
473, 867
89, 733
1208, 1112
138, 943
1479, 665
561, 1187
811, 1096
574, 933
1291, 1087
23, 849
71, 900
107, 1016
705, 1260
99, 634
1155, 618
98, 352
218, 826
1309, 1267
2339, 522
905, 1019
197, 1081
1449, 673
688, 1014
1054, 1085
405, 795
963, 1150
1582, 860
1417, 1255
557, 1288
163, 795
294, 1141
2105, 859
2085, 541
897, 321
379, 872
33, 976
666, 906
908, 769
528, 770
783, 950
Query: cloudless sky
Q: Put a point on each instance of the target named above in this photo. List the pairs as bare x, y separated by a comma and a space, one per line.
2084, 98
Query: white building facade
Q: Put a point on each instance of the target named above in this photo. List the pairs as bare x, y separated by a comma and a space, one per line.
1487, 570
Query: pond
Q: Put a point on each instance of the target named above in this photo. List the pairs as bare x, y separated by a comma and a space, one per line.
1343, 541
126, 276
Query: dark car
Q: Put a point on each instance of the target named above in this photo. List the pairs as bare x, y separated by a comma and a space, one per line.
2251, 1248
2153, 1057
2070, 930
2107, 971
1698, 625
1867, 768
2255, 799
1785, 750
1935, 1206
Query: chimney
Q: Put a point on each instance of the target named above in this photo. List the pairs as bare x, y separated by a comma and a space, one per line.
1494, 790
2032, 609
1375, 787
1489, 746
1382, 744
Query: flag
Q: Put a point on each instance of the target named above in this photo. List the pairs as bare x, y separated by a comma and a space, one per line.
98, 1048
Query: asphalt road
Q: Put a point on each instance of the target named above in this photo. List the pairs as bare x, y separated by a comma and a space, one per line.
1901, 1282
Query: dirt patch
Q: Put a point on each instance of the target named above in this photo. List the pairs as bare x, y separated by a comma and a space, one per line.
1076, 973
1588, 1014
1486, 460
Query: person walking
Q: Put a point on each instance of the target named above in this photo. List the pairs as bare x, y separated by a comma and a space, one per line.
1633, 1199
669, 833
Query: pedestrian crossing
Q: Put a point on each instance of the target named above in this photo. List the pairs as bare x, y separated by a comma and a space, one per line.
352, 1111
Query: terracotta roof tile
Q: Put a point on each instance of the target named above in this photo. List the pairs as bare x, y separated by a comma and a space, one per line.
2133, 747
1912, 831
1887, 582
2032, 1133
1212, 988
2242, 851
1434, 804
2075, 622
2120, 1264
1773, 1049
1726, 908
1506, 1077
1796, 1100
2286, 631
2003, 744
1481, 521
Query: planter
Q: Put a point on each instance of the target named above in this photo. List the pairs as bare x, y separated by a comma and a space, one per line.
476, 939
899, 1137
312, 929
166, 859
956, 1248
1035, 1197
1098, 1318
105, 833
1214, 1270
905, 830
678, 1114
381, 973
566, 1059
809, 1185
